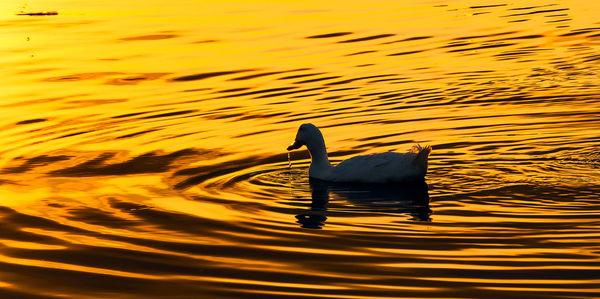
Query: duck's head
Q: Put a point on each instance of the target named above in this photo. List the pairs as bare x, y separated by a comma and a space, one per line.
308, 134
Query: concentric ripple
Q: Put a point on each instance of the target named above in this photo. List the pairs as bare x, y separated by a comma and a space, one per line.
142, 149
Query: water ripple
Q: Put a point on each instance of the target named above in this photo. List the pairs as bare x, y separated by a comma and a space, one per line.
152, 163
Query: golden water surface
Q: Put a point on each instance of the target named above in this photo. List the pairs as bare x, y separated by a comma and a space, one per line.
142, 148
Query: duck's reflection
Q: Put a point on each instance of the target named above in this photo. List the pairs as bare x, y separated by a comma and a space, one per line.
407, 198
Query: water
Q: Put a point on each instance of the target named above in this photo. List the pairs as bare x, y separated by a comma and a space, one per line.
143, 149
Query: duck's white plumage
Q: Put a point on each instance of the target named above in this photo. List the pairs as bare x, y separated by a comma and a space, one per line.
374, 168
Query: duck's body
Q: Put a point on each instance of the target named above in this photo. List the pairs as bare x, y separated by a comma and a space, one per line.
374, 168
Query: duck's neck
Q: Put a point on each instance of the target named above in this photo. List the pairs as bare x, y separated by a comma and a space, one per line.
318, 154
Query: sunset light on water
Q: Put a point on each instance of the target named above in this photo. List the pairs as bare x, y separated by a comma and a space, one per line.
143, 149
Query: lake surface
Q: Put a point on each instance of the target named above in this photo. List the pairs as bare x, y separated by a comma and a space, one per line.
142, 149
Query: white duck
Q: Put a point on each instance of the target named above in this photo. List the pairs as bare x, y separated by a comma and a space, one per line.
375, 168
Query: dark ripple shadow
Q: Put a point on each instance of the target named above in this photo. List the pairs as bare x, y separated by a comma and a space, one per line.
147, 163
149, 37
356, 79
135, 79
38, 161
168, 114
497, 45
471, 37
255, 92
536, 12
360, 53
289, 92
202, 76
252, 76
367, 38
41, 13
405, 53
81, 76
206, 41
299, 76
329, 35
486, 6
317, 79
408, 39
136, 133
101, 217
31, 121
197, 175
580, 31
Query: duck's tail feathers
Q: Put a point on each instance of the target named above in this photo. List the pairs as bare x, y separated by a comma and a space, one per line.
421, 160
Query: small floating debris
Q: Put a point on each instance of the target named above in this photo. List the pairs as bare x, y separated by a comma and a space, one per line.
42, 13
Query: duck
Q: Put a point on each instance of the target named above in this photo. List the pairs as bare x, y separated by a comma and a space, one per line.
387, 167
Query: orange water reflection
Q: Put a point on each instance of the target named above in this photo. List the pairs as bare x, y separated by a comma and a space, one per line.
142, 148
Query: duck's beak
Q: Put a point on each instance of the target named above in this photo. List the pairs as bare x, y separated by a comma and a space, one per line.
296, 145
